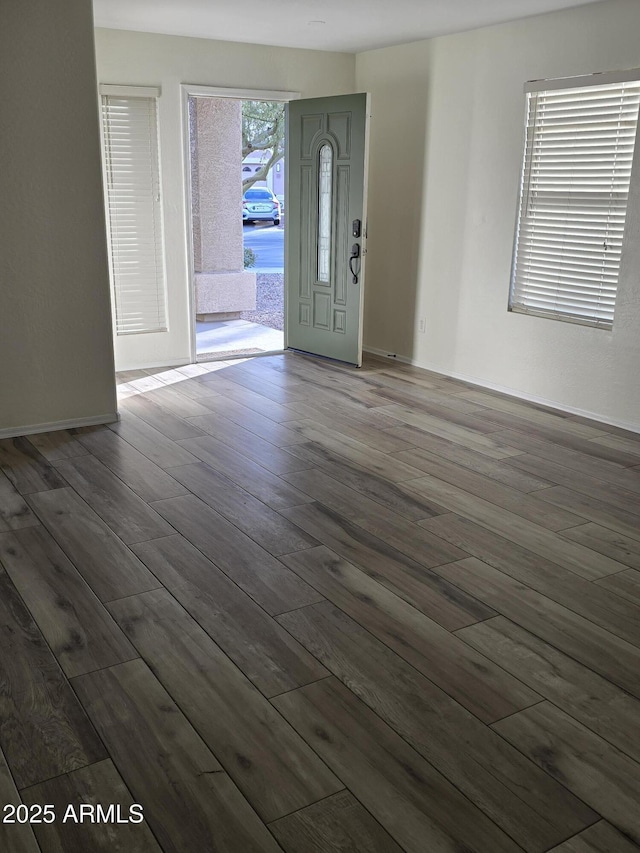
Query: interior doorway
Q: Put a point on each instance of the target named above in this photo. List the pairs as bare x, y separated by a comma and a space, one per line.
237, 220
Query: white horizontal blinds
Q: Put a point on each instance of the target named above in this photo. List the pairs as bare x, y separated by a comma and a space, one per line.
575, 184
135, 223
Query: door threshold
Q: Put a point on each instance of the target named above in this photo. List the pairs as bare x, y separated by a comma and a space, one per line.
323, 357
233, 355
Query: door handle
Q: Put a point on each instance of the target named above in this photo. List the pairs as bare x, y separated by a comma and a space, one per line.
353, 259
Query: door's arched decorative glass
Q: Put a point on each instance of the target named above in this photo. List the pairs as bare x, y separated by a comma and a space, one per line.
325, 182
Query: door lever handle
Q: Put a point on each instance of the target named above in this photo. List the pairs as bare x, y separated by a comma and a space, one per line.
355, 255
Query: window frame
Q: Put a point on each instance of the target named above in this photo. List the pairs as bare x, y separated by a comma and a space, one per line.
519, 284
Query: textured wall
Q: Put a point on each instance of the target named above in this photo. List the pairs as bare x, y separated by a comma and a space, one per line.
218, 128
56, 357
447, 135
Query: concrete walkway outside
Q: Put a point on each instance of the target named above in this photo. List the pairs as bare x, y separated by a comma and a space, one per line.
235, 337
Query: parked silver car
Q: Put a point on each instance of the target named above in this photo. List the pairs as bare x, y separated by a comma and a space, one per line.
260, 204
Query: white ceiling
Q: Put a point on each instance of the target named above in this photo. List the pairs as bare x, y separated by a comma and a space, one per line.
343, 25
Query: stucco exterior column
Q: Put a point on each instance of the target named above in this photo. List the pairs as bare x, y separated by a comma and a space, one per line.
222, 286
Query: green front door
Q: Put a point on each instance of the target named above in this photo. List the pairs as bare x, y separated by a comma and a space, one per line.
326, 225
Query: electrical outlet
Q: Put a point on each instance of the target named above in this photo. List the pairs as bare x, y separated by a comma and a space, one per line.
422, 325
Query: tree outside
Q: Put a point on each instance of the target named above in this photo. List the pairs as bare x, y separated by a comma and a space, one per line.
262, 130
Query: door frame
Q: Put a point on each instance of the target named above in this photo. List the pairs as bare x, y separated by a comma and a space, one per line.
188, 90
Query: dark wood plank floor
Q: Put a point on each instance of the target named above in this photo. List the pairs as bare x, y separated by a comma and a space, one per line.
285, 605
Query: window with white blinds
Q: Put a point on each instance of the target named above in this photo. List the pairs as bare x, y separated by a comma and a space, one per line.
576, 173
132, 176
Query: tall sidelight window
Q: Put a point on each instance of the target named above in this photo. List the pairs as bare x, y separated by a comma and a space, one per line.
132, 185
325, 181
579, 146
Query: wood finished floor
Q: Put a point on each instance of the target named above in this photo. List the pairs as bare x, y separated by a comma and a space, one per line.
290, 606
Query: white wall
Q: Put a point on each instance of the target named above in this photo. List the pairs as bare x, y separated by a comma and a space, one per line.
56, 357
145, 59
447, 136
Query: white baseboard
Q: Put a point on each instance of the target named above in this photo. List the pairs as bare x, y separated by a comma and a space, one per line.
511, 392
392, 356
180, 362
52, 426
